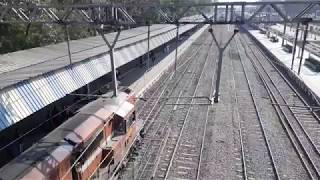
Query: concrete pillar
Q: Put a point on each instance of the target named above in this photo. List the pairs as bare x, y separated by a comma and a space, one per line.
177, 44
148, 49
216, 95
114, 75
295, 46
284, 32
303, 45
68, 43
242, 13
226, 13
301, 36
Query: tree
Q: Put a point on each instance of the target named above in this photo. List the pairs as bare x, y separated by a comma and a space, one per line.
16, 37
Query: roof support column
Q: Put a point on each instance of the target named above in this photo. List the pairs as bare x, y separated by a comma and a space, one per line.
284, 32
231, 13
148, 48
177, 45
218, 75
303, 45
295, 45
218, 71
226, 14
114, 73
68, 42
215, 13
301, 36
113, 65
242, 13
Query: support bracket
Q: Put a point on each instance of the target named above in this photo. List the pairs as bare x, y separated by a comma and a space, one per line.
218, 71
111, 52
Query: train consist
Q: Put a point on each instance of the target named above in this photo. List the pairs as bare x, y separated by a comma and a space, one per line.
98, 136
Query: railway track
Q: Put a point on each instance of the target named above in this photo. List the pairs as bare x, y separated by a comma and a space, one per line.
185, 162
255, 154
165, 87
152, 95
148, 109
158, 129
276, 130
210, 78
152, 102
241, 166
300, 124
170, 124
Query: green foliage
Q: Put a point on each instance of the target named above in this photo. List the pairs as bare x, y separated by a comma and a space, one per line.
15, 37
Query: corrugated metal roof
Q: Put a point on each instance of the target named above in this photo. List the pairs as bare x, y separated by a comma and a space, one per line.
21, 65
20, 100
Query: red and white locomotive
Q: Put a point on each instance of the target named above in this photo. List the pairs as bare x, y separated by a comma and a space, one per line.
99, 135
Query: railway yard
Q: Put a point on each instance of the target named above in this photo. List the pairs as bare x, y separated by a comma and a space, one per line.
160, 90
263, 127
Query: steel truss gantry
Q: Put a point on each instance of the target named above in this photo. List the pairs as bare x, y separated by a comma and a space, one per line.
118, 14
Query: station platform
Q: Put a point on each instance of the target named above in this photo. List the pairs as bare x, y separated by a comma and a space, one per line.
309, 77
290, 31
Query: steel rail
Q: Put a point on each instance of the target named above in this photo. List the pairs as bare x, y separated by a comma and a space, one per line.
263, 129
312, 113
180, 94
163, 84
293, 88
175, 84
298, 121
290, 108
243, 157
166, 85
287, 126
160, 152
300, 151
205, 126
166, 121
167, 136
273, 64
185, 118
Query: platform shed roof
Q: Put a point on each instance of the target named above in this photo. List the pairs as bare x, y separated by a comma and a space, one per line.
32, 79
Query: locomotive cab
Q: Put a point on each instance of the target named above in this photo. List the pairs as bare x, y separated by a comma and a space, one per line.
119, 127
